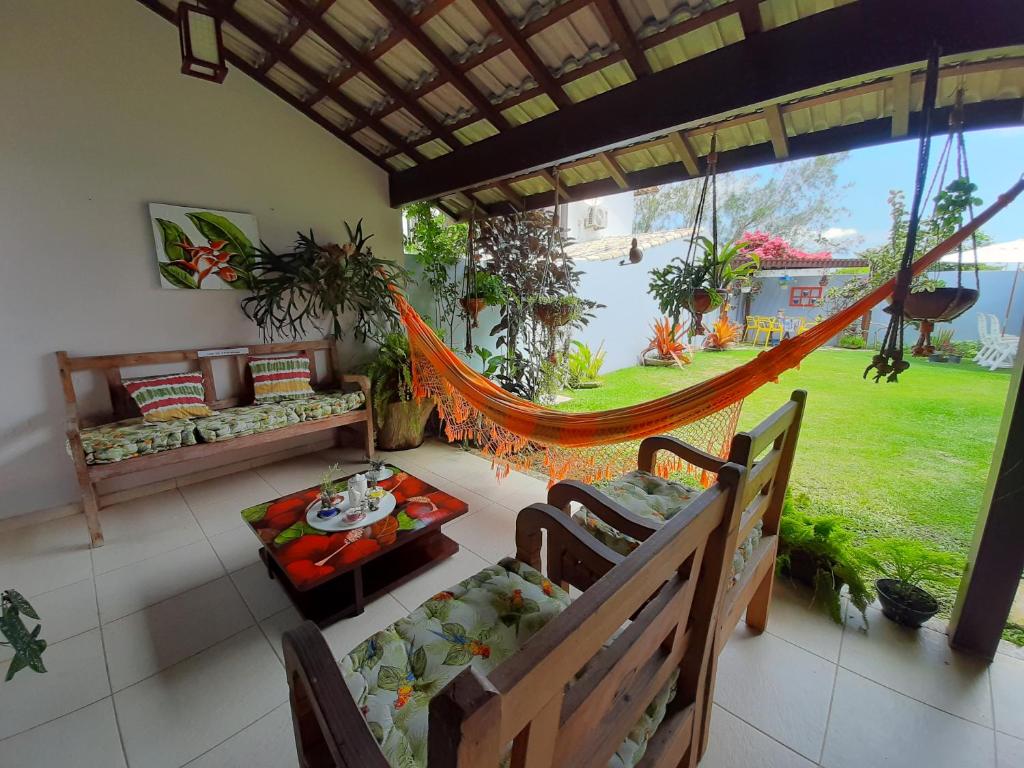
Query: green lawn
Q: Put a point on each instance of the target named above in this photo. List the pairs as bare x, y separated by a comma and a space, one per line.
908, 459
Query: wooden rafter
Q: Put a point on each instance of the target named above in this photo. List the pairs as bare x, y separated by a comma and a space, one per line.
851, 41
777, 131
613, 169
356, 57
298, 29
396, 17
306, 72
501, 24
254, 72
623, 36
684, 151
900, 103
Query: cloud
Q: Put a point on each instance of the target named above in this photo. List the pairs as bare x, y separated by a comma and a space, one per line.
838, 233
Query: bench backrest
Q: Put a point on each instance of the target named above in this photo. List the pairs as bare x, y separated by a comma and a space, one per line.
122, 406
577, 688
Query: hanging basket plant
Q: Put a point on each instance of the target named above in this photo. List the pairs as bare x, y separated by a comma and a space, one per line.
941, 305
556, 311
485, 290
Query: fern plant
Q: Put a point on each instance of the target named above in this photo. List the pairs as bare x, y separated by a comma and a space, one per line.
391, 374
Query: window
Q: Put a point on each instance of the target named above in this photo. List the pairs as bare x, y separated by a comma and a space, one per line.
804, 295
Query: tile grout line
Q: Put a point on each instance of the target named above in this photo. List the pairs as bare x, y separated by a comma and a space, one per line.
219, 743
767, 735
835, 682
992, 704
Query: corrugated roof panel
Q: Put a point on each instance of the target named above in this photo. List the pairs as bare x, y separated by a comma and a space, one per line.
401, 162
983, 86
501, 77
268, 16
744, 134
330, 109
612, 76
474, 132
241, 45
290, 81
489, 196
315, 52
372, 140
358, 22
460, 30
457, 202
775, 13
531, 186
447, 103
699, 42
432, 149
573, 42
363, 91
581, 174
404, 124
530, 110
407, 66
648, 17
645, 156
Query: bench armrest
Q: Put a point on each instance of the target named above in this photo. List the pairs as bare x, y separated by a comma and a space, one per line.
326, 720
650, 446
610, 511
363, 382
574, 556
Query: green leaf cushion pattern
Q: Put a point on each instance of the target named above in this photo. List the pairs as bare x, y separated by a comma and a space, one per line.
244, 420
324, 404
658, 500
126, 439
480, 622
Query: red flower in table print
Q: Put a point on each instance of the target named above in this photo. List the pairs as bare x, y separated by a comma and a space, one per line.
204, 260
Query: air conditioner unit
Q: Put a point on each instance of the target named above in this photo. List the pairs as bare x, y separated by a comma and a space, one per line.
597, 218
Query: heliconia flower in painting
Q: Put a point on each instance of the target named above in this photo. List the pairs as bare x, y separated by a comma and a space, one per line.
203, 249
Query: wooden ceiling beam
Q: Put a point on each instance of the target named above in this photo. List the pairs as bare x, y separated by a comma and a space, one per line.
622, 34
430, 11
683, 150
900, 103
390, 10
613, 169
303, 70
777, 131
360, 60
696, 22
502, 25
851, 41
244, 66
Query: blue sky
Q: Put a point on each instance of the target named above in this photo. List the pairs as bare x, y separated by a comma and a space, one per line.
996, 160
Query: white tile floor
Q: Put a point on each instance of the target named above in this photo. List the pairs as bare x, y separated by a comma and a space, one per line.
165, 645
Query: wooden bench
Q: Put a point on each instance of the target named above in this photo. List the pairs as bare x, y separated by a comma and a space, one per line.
121, 406
575, 689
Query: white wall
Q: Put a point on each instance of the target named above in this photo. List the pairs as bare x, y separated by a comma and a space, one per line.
620, 217
97, 122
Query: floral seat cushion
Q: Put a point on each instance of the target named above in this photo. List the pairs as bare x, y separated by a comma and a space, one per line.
121, 440
324, 404
658, 500
244, 420
480, 622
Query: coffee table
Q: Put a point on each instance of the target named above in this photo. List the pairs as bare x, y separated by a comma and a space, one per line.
330, 576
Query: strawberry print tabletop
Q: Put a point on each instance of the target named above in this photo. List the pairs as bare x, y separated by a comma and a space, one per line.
311, 557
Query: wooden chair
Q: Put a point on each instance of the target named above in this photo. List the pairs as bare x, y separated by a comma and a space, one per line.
575, 689
767, 453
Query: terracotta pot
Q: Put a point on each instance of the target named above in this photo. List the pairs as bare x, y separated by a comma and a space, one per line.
473, 306
553, 315
940, 305
403, 424
702, 300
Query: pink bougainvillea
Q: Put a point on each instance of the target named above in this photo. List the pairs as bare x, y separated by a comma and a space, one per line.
774, 248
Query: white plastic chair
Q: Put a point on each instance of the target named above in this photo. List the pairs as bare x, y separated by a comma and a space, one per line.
1001, 347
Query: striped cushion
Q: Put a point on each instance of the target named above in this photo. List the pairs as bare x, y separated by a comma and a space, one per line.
166, 398
280, 378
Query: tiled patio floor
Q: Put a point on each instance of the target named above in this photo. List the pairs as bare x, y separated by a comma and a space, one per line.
164, 645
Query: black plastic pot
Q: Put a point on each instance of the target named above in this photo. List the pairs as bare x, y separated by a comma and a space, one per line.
954, 358
937, 357
904, 603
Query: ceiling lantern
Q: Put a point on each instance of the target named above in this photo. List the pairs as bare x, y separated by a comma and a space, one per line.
202, 47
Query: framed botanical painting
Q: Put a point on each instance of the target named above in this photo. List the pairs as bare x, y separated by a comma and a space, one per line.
200, 248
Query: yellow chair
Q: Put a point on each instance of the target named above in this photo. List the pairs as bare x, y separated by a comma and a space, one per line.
750, 325
767, 326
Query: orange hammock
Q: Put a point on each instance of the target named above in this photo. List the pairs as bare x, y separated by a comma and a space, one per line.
601, 444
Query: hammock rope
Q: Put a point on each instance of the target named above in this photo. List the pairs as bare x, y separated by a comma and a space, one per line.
517, 433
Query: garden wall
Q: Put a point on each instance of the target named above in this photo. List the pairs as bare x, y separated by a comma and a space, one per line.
97, 123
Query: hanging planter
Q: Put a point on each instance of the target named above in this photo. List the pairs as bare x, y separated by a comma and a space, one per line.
473, 306
940, 305
483, 290
556, 311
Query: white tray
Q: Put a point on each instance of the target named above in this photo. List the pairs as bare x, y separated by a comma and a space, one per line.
338, 523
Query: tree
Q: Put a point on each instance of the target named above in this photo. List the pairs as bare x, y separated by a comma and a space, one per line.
797, 201
437, 245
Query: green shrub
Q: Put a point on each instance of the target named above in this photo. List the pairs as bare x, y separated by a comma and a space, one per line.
967, 349
584, 364
852, 341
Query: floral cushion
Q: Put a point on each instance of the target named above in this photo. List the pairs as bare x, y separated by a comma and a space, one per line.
121, 440
480, 622
656, 499
244, 420
324, 404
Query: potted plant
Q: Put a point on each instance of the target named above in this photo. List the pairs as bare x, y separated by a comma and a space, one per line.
400, 416
485, 290
585, 365
28, 647
943, 341
815, 550
556, 311
723, 334
907, 566
702, 284
667, 346
852, 341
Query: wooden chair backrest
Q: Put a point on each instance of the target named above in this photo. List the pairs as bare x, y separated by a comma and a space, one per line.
574, 691
122, 406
